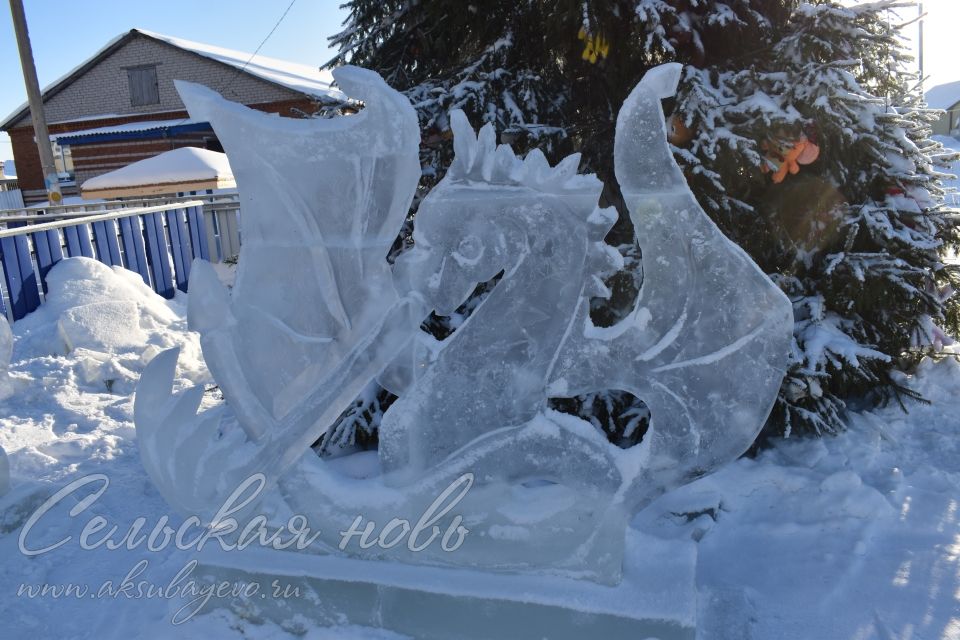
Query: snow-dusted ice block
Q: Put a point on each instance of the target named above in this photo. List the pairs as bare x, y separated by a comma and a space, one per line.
656, 599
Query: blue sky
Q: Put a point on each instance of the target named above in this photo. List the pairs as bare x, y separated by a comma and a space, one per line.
64, 33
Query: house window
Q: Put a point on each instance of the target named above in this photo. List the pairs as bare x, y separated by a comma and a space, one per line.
143, 86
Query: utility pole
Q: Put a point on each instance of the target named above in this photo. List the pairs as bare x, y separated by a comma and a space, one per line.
35, 99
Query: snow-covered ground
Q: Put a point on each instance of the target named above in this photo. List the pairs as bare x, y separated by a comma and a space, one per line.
853, 537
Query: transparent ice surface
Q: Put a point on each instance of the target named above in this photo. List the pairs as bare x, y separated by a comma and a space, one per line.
313, 315
706, 345
322, 202
317, 313
493, 212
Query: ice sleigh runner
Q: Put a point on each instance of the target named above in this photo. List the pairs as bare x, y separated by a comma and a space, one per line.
548, 500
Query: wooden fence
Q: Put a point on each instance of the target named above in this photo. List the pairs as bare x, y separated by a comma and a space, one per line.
156, 240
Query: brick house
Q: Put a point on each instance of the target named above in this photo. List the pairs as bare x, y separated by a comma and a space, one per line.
120, 105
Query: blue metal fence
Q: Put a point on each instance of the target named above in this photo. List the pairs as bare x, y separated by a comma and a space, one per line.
157, 242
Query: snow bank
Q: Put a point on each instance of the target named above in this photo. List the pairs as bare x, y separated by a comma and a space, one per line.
109, 323
853, 536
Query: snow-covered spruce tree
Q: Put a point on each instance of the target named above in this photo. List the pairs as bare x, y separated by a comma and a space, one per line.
855, 236
798, 128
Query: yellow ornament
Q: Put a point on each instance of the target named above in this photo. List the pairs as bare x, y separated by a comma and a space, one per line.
594, 46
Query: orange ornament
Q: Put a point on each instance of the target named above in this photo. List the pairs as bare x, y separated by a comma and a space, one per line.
678, 133
787, 159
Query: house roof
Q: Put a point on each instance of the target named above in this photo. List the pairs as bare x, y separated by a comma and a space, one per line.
302, 78
131, 130
306, 79
943, 96
183, 169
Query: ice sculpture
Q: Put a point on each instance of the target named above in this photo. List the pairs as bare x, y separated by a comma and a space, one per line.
317, 313
313, 302
707, 342
494, 213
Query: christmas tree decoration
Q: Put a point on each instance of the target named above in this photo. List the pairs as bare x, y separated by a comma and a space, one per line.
783, 157
678, 133
594, 46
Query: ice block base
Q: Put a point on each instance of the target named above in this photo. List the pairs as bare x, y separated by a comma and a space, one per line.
655, 600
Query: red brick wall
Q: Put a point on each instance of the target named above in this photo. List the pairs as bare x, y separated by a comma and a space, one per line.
25, 156
86, 158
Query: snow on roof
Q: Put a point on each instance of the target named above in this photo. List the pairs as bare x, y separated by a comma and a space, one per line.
147, 125
304, 78
108, 116
176, 167
943, 96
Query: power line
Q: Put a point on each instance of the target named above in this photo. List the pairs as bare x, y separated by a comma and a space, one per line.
260, 46
238, 71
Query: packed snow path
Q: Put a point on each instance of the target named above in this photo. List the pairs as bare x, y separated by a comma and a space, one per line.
854, 537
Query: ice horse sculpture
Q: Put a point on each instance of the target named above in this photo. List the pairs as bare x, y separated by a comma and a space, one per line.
317, 313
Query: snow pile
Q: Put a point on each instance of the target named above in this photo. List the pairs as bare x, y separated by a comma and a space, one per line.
853, 536
108, 323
